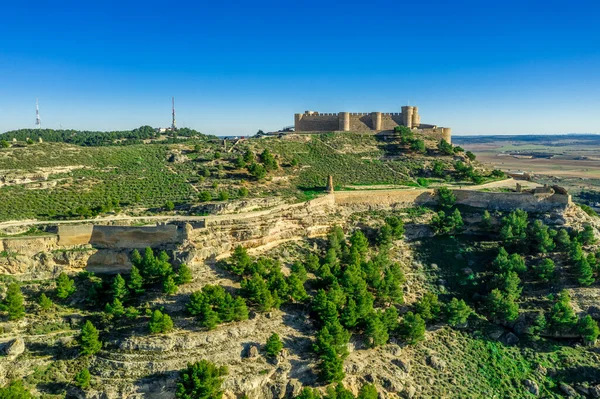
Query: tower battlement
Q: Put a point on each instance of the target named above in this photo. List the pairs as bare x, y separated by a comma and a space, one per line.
313, 121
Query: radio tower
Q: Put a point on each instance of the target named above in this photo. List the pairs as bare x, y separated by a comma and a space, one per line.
38, 121
174, 123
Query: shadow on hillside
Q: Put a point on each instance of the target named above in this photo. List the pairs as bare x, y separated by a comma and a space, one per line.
578, 374
56, 350
52, 388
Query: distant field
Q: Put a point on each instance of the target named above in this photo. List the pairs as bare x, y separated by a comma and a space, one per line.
572, 161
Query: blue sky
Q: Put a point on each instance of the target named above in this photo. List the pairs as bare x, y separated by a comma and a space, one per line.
234, 67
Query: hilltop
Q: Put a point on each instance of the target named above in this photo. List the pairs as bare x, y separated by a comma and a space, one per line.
415, 277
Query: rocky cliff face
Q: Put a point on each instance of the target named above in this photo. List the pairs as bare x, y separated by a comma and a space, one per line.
106, 249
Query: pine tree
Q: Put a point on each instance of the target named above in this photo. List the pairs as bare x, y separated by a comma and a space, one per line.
412, 328
65, 286
208, 318
376, 332
89, 339
240, 310
587, 236
486, 220
239, 260
45, 303
545, 270
541, 237
428, 307
273, 345
201, 380
184, 274
390, 318
296, 287
368, 391
514, 227
584, 272
588, 328
256, 290
562, 316
458, 312
502, 306
118, 288
360, 243
116, 308
169, 285
309, 393
562, 239
13, 302
83, 378
136, 281
349, 316
160, 323
136, 258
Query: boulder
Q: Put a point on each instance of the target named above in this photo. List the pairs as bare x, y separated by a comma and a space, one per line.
568, 390
403, 365
532, 387
410, 392
436, 363
15, 347
510, 339
252, 351
595, 391
293, 389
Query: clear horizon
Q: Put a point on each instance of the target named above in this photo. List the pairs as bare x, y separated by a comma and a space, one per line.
234, 68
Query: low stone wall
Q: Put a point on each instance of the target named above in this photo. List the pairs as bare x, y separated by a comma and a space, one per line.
502, 201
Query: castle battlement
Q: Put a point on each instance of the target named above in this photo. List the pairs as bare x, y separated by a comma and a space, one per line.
313, 121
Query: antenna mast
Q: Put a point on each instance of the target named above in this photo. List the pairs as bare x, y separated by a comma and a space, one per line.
38, 121
174, 123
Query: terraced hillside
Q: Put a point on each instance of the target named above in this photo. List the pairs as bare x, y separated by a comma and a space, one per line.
58, 180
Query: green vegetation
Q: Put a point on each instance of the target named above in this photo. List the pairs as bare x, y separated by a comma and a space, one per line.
273, 345
160, 323
13, 303
213, 305
65, 286
201, 380
89, 339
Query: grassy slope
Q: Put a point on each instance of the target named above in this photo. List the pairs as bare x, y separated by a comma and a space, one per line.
140, 176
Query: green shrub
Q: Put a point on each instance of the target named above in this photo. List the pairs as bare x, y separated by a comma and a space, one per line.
83, 378
458, 312
160, 323
274, 345
13, 303
201, 380
412, 328
65, 286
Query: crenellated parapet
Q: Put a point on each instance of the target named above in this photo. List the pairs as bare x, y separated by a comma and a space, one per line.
313, 121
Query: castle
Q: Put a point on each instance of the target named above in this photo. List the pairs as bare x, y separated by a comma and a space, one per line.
311, 121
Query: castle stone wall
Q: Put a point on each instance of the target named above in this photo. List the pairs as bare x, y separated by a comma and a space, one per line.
368, 122
317, 123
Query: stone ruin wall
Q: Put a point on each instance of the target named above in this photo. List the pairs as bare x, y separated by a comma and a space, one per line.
501, 201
